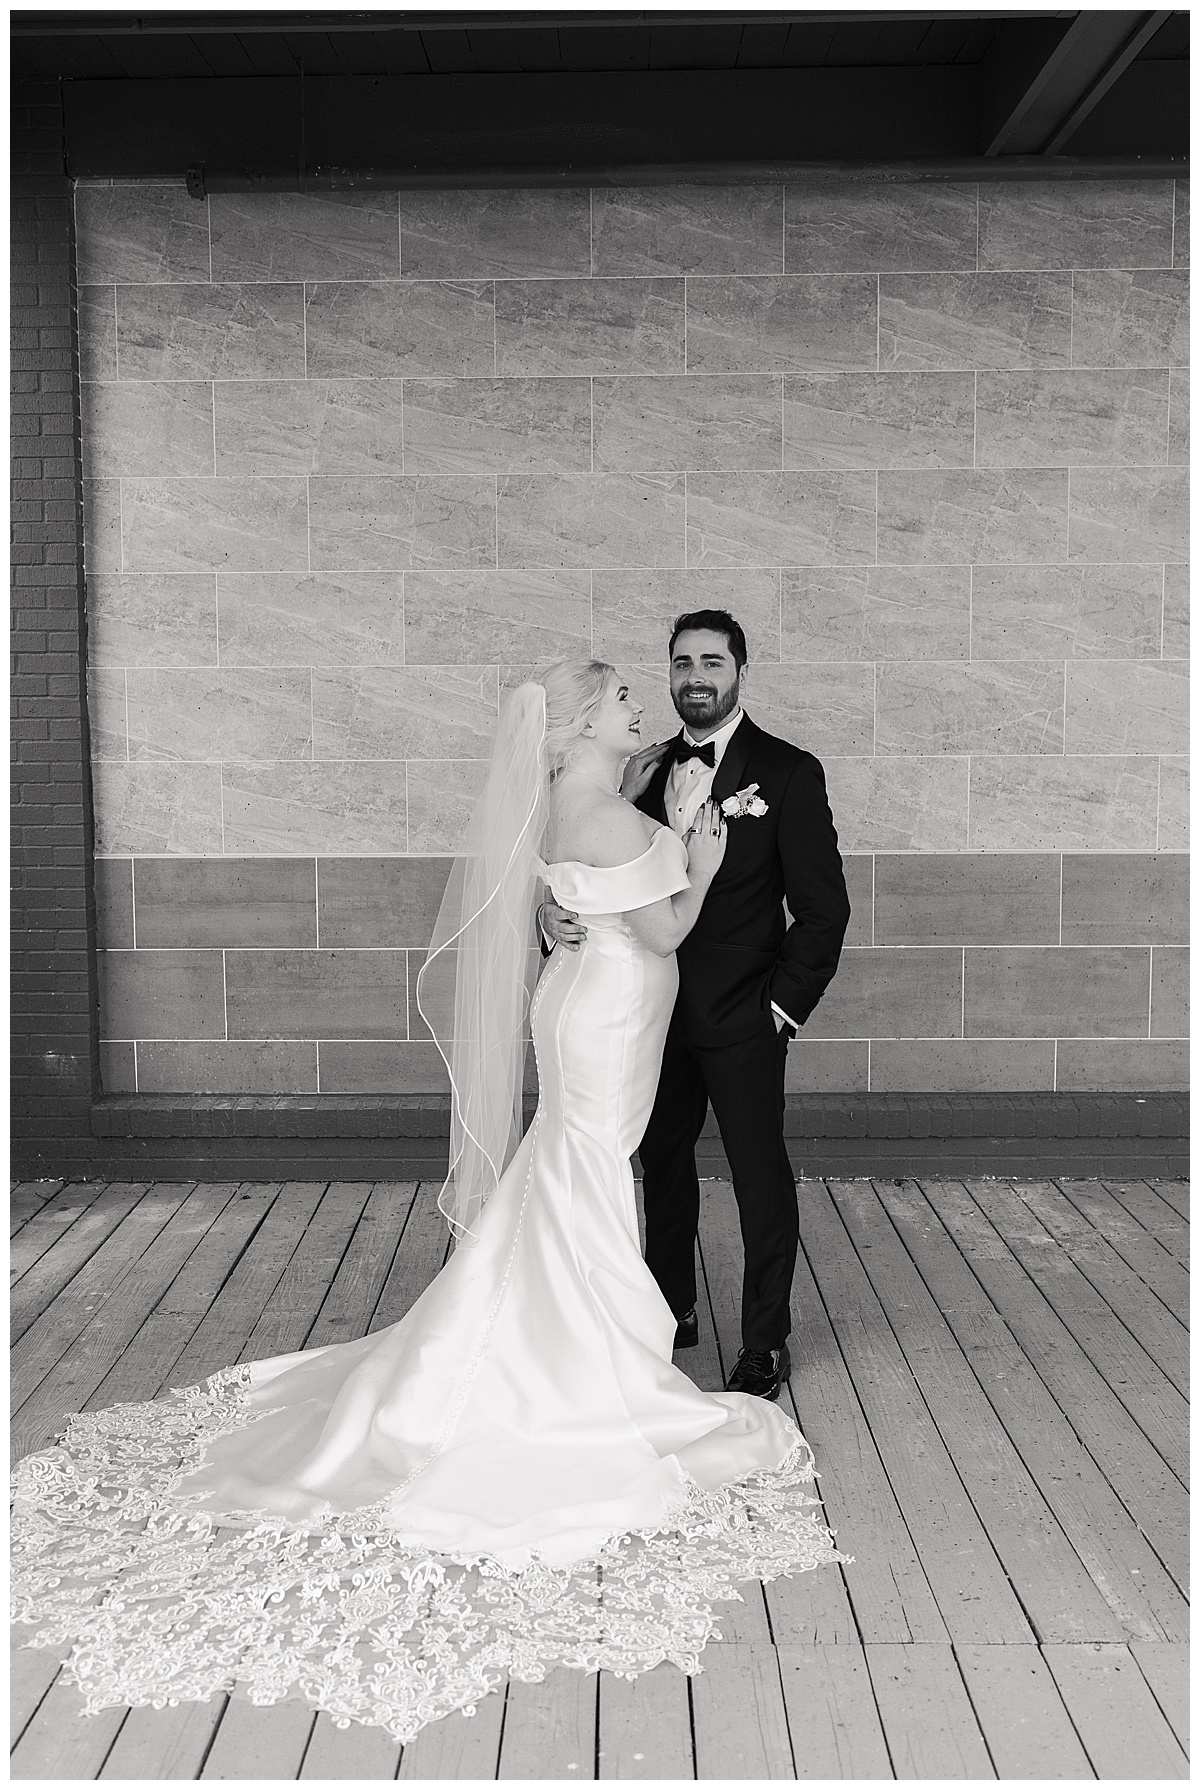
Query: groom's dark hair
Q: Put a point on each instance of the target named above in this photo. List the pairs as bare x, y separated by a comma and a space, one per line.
717, 621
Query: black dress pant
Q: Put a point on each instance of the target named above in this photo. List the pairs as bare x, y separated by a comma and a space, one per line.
744, 1082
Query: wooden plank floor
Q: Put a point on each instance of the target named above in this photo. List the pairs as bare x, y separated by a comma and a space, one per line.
993, 1376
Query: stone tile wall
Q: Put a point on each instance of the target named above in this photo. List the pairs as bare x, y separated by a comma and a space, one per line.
357, 462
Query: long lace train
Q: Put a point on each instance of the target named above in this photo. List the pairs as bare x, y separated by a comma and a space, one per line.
163, 1606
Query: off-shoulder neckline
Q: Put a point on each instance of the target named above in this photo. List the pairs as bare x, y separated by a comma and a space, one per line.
578, 863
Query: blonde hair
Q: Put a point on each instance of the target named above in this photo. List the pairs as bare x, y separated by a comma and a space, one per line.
574, 688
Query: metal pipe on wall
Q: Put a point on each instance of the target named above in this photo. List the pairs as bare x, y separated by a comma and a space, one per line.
201, 180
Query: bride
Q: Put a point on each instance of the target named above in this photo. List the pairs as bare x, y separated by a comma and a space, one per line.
514, 1476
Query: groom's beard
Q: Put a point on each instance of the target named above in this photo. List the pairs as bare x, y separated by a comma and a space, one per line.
699, 705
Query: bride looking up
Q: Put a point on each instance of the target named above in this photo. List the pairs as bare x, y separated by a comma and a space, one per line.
514, 1476
591, 823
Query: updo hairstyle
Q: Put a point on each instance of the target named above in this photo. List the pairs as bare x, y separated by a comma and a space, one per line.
574, 688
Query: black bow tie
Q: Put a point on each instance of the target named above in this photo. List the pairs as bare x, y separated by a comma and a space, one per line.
707, 753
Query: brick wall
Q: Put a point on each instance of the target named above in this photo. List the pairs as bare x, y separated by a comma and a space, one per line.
54, 996
357, 463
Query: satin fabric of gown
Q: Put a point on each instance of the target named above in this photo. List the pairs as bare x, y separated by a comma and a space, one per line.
523, 1417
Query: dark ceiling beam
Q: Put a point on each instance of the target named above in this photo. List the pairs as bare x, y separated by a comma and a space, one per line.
1050, 77
242, 24
442, 125
1132, 48
554, 128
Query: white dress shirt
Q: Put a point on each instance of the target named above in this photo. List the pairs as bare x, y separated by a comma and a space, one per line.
689, 785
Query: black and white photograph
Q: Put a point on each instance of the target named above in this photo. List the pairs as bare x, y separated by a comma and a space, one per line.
599, 961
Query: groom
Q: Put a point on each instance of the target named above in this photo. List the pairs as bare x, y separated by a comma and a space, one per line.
747, 981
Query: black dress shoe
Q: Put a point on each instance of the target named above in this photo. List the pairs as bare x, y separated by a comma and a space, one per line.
687, 1330
760, 1371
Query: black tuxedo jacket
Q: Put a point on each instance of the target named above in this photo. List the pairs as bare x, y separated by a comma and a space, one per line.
741, 955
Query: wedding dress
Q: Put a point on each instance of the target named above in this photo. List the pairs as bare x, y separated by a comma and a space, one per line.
512, 1477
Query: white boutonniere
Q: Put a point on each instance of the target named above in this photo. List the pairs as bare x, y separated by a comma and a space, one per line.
746, 801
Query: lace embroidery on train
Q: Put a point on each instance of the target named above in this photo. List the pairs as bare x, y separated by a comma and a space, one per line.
164, 1606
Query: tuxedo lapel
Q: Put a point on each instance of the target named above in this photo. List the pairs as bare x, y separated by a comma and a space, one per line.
734, 760
653, 800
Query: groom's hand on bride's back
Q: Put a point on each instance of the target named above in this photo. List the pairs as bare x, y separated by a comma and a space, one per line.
640, 768
560, 925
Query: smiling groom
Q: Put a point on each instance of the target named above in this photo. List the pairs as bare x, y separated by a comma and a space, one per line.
748, 979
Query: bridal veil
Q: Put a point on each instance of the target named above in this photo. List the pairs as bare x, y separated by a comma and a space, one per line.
475, 986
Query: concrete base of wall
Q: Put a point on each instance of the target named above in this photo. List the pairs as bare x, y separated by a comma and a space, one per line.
332, 1137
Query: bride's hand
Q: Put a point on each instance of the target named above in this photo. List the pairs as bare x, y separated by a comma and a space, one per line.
706, 839
640, 768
